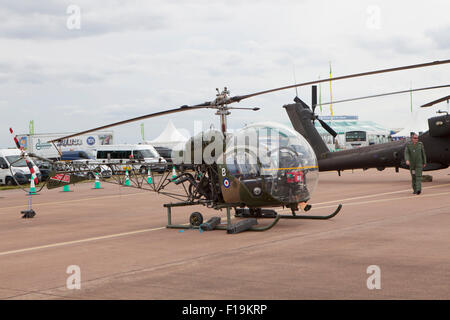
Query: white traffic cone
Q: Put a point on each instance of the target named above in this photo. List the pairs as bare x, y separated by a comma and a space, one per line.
127, 179
32, 186
97, 182
174, 172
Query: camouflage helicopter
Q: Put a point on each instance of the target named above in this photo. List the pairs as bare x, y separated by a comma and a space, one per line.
261, 166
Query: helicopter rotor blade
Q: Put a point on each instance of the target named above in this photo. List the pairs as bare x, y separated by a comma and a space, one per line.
221, 102
151, 115
429, 104
387, 94
414, 66
327, 127
236, 108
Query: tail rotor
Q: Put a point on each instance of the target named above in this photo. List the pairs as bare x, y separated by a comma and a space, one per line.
28, 161
315, 117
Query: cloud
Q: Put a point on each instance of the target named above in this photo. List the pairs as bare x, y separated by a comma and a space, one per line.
50, 19
399, 45
33, 7
60, 70
441, 37
132, 58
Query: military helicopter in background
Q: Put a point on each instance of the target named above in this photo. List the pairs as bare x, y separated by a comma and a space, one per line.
278, 169
380, 156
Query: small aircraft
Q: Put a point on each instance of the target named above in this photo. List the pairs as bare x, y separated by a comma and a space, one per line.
263, 165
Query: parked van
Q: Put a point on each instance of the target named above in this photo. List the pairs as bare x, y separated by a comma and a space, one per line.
146, 155
11, 164
76, 155
88, 161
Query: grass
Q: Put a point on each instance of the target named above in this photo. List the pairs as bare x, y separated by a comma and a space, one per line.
26, 186
8, 187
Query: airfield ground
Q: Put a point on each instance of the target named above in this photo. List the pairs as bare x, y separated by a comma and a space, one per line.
117, 237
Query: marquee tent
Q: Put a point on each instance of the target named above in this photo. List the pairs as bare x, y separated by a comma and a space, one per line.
417, 122
169, 138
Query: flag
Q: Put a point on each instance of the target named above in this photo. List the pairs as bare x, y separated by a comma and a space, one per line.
31, 127
331, 96
142, 132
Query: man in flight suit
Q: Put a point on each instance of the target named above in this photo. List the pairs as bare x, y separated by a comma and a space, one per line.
416, 160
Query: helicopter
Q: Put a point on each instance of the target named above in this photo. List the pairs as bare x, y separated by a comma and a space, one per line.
380, 156
261, 166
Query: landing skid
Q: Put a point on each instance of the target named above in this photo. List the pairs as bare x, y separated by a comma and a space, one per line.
286, 216
196, 218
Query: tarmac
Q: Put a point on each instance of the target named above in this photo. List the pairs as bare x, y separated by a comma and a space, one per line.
118, 239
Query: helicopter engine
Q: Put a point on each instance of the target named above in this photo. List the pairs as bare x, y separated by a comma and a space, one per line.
439, 126
203, 148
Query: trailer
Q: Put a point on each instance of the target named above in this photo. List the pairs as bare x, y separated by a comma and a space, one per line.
39, 143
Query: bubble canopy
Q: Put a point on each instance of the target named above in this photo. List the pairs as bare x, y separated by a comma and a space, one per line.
274, 158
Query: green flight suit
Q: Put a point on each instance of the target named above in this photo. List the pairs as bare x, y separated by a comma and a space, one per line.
417, 158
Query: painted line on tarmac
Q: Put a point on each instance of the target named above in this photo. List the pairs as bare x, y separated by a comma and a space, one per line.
381, 194
60, 244
285, 210
385, 200
160, 228
373, 201
140, 193
76, 200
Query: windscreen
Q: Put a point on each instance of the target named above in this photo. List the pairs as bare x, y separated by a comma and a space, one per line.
142, 154
275, 158
16, 161
355, 136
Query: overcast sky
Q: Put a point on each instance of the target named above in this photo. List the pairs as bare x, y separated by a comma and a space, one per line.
130, 58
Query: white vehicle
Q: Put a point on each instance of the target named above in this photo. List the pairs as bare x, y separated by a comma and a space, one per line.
357, 139
86, 161
11, 163
145, 154
39, 145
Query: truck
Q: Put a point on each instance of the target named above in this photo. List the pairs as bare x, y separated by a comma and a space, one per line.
39, 143
13, 168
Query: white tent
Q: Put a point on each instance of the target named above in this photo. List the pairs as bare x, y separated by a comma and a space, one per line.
170, 138
417, 122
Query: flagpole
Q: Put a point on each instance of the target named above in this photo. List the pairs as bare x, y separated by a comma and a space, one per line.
410, 96
320, 96
142, 132
331, 97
